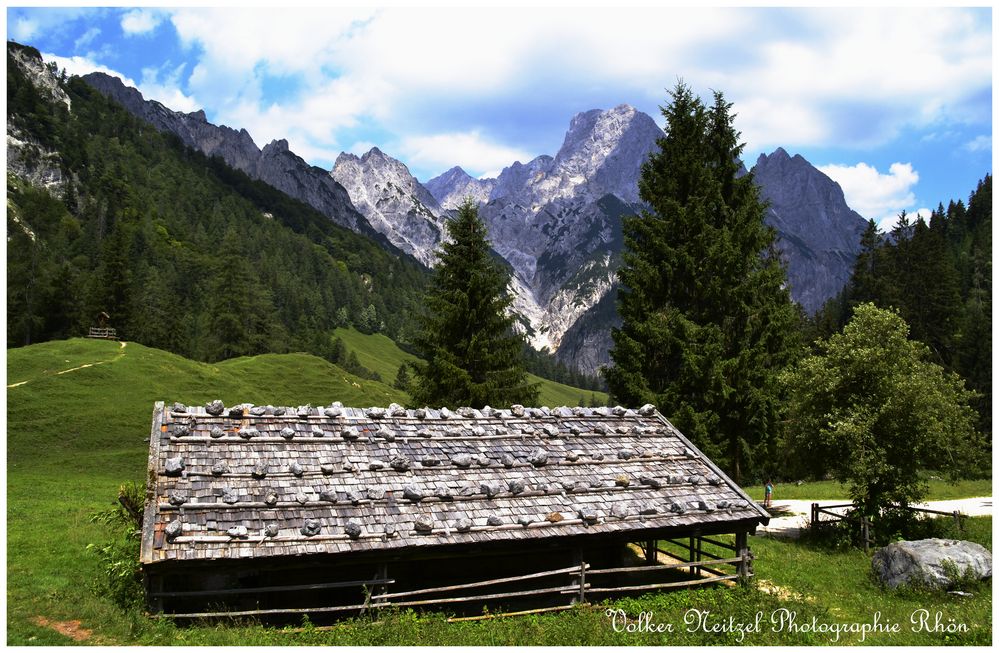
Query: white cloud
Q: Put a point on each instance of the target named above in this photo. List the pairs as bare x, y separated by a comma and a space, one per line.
470, 150
875, 195
163, 85
809, 77
24, 30
140, 21
83, 66
87, 38
981, 143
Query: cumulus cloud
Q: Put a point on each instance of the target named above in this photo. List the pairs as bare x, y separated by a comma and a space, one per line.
875, 195
163, 85
140, 21
474, 153
424, 78
84, 66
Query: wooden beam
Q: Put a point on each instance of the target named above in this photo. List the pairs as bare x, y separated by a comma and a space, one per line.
686, 583
566, 589
273, 588
680, 565
557, 608
484, 583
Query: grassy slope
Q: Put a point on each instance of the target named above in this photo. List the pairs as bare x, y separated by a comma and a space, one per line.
73, 438
380, 354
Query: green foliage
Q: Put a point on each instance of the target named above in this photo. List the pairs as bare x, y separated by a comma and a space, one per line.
545, 365
402, 379
473, 356
119, 556
872, 410
707, 320
938, 276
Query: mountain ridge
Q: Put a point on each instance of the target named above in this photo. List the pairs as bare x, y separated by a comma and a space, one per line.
554, 219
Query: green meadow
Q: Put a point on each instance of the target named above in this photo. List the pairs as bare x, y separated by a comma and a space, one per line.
73, 438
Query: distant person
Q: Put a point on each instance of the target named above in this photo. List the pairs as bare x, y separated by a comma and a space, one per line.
769, 494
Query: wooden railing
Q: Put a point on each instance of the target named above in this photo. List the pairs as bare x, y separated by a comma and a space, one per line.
866, 536
103, 332
573, 583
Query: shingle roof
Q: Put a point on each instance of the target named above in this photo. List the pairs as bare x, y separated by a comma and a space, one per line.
254, 481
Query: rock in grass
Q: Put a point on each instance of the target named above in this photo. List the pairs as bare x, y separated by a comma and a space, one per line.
933, 562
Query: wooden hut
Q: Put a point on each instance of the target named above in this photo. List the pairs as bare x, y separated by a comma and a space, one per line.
263, 510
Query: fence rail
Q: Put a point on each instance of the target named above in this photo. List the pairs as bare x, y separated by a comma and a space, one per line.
570, 582
103, 332
865, 525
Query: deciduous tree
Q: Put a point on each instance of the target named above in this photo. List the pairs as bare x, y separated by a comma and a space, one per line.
872, 410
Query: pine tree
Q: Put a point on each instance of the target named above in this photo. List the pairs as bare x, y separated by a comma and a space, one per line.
473, 356
707, 320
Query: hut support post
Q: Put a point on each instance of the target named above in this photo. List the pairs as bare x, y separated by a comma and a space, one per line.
580, 597
692, 557
742, 552
650, 552
154, 588
382, 574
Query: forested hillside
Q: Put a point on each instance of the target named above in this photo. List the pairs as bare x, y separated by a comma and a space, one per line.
183, 253
938, 275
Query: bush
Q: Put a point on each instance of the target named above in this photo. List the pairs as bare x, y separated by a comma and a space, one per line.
119, 557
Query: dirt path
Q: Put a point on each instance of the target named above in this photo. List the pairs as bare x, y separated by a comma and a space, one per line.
791, 525
74, 369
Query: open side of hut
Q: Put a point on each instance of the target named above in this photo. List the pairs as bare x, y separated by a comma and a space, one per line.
262, 510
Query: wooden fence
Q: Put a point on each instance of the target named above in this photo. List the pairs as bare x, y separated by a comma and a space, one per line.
569, 585
864, 524
106, 333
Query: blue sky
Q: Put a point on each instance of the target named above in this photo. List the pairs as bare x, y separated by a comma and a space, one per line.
895, 103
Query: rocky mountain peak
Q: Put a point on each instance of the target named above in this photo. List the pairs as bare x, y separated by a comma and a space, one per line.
277, 145
818, 233
276, 164
393, 201
452, 187
38, 72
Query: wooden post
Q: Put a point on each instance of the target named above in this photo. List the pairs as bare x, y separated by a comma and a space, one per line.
155, 582
690, 556
863, 531
382, 574
742, 551
650, 551
699, 544
815, 516
580, 597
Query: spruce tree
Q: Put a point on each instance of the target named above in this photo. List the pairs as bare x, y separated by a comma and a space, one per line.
707, 321
471, 354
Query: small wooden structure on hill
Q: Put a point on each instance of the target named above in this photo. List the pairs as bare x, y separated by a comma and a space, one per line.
262, 510
102, 330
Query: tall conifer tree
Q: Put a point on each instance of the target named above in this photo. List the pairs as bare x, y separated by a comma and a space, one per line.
707, 321
473, 356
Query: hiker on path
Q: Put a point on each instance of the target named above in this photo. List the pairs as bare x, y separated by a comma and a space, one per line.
769, 494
